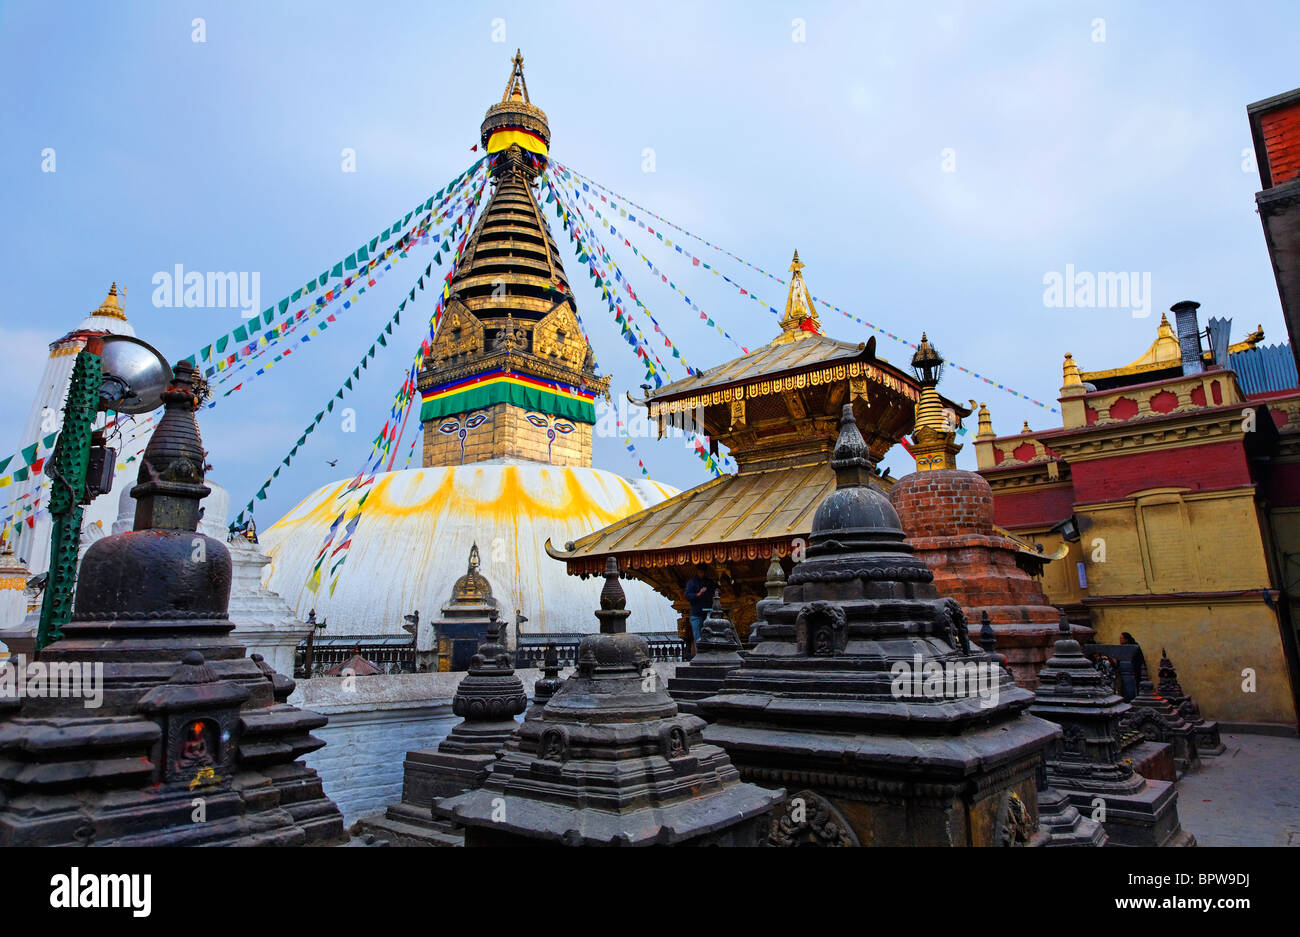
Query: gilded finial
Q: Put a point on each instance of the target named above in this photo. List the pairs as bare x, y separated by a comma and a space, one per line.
111, 307
800, 319
1025, 429
1071, 371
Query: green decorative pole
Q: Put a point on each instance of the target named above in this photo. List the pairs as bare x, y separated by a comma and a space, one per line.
67, 470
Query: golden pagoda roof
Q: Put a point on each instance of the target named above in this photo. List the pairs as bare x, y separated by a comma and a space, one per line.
750, 512
1164, 353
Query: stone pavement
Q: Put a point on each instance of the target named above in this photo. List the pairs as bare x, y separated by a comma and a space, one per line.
1248, 796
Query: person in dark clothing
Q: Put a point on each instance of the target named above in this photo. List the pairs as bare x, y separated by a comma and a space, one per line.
699, 592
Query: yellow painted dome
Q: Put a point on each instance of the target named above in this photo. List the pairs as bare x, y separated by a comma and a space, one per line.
417, 529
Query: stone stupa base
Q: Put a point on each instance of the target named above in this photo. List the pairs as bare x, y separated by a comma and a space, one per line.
974, 789
1145, 817
1063, 822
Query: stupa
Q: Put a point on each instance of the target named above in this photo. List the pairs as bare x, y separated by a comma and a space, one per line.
948, 516
508, 409
609, 761
1158, 720
865, 698
1089, 767
465, 618
488, 699
1206, 731
716, 655
187, 722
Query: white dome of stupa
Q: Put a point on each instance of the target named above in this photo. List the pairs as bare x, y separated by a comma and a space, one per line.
418, 526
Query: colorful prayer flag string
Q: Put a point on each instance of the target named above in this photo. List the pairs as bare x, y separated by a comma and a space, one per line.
586, 182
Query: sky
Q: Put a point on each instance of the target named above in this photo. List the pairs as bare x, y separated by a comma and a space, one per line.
934, 164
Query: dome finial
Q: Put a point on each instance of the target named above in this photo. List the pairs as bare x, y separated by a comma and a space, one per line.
851, 459
111, 307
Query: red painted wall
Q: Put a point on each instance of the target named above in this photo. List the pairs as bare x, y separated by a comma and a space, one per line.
1281, 132
1210, 467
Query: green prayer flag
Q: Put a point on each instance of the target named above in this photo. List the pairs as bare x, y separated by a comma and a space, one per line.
338, 270
311, 286
297, 295
240, 334
261, 495
284, 306
29, 454
350, 261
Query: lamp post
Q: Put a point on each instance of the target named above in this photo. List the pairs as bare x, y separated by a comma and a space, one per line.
111, 372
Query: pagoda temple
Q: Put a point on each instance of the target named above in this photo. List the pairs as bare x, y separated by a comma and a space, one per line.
1173, 487
777, 410
508, 390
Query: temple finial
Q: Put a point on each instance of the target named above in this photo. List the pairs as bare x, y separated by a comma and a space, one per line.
800, 319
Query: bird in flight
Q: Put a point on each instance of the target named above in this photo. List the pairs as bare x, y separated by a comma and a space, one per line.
332, 462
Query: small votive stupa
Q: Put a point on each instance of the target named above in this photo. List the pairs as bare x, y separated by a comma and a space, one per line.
193, 743
609, 761
716, 655
866, 700
1088, 767
487, 699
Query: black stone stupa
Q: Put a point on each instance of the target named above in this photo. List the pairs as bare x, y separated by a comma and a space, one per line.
609, 761
866, 700
186, 717
1088, 767
487, 699
716, 655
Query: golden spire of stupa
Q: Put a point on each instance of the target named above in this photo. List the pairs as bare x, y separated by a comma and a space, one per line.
800, 319
111, 307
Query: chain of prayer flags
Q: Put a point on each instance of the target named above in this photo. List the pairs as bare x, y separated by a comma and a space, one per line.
347, 386
338, 271
406, 397
585, 180
704, 317
366, 276
389, 260
631, 331
586, 254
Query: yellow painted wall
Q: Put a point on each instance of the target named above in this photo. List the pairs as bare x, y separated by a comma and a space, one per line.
1169, 541
1210, 645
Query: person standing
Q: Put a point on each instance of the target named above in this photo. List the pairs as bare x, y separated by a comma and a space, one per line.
699, 592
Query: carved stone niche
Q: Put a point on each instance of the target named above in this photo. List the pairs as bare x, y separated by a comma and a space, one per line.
199, 718
820, 630
808, 819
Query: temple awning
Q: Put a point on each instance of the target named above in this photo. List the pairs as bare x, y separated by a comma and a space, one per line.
733, 517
